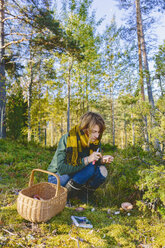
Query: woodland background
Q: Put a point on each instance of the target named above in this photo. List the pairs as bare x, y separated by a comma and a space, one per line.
56, 66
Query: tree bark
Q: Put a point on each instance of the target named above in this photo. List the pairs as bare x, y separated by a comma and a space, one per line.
45, 135
87, 101
69, 88
52, 133
145, 59
139, 23
147, 74
125, 131
30, 97
112, 116
161, 87
39, 97
61, 129
2, 74
133, 131
141, 81
122, 139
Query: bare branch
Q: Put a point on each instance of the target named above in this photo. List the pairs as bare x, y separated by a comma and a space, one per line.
11, 18
21, 34
14, 42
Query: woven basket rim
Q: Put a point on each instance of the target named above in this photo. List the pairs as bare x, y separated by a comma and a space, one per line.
52, 184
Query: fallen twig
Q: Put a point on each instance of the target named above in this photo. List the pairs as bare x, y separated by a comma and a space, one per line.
82, 240
74, 239
21, 245
8, 232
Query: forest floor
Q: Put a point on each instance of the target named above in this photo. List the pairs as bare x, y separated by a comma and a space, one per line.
112, 227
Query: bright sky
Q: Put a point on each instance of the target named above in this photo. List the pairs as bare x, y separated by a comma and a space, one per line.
108, 8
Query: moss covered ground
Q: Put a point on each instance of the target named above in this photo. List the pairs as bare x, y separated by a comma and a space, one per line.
112, 227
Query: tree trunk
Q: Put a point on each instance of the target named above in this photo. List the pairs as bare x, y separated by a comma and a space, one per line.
29, 110
146, 134
2, 74
112, 116
141, 81
133, 131
52, 133
87, 101
144, 52
45, 135
147, 74
61, 129
39, 131
39, 97
69, 88
122, 139
30, 97
138, 17
161, 88
125, 131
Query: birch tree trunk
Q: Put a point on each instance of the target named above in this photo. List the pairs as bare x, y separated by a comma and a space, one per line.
125, 131
30, 97
61, 129
87, 101
112, 116
29, 109
122, 139
161, 87
39, 97
133, 131
2, 74
45, 135
52, 133
69, 88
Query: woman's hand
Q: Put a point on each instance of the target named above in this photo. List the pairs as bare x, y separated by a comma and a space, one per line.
106, 159
95, 156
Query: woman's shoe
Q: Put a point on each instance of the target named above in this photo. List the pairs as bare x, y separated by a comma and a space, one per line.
73, 189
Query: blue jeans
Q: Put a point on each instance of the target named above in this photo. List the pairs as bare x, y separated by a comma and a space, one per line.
91, 174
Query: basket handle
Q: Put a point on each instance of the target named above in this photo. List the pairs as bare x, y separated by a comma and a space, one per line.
31, 181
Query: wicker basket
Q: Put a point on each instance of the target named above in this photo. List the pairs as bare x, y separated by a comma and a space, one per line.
53, 201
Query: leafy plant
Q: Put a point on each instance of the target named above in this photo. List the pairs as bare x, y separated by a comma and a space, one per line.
152, 184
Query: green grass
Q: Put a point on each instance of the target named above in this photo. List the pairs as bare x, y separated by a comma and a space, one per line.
110, 230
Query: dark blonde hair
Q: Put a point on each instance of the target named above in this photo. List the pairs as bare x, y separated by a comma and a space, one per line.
90, 119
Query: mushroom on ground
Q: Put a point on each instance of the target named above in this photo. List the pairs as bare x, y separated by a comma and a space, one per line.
127, 206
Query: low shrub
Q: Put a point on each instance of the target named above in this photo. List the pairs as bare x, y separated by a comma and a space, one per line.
124, 175
152, 185
108, 148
